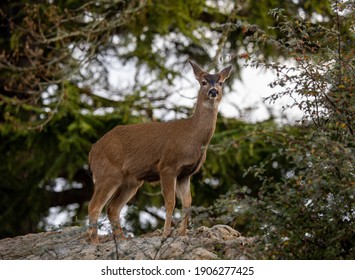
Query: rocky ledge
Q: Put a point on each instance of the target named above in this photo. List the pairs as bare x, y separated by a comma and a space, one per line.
218, 242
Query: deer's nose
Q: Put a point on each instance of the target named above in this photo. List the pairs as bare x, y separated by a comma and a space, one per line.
213, 92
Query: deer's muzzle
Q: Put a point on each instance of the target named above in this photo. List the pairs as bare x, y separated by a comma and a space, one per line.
213, 92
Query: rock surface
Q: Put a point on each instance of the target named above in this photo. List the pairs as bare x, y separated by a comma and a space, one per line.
218, 242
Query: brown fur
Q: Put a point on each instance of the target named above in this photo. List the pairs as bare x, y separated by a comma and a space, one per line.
171, 152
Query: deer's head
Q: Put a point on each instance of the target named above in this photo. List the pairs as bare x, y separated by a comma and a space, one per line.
211, 85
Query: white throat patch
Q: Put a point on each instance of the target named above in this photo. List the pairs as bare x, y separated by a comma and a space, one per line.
210, 105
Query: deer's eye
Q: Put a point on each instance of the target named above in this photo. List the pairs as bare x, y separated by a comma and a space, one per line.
220, 83
204, 83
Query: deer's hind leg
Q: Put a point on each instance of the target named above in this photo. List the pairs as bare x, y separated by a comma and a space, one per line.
105, 187
119, 199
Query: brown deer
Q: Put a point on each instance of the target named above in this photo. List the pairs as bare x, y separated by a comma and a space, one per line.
171, 152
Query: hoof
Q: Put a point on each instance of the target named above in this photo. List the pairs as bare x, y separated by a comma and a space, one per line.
182, 232
167, 233
94, 241
119, 236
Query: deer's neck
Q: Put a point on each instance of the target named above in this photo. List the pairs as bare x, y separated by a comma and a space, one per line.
203, 121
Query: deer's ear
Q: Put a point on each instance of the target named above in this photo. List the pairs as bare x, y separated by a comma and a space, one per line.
225, 73
198, 71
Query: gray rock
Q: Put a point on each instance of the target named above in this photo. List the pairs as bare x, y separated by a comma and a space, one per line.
218, 242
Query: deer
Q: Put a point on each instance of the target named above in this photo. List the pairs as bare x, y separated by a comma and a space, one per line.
169, 152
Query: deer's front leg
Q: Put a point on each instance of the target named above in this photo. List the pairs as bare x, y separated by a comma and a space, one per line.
183, 190
168, 183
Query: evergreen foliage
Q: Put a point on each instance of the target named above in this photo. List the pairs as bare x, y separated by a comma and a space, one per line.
291, 185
